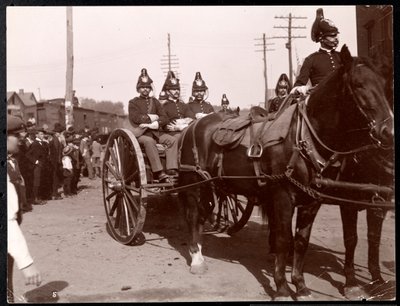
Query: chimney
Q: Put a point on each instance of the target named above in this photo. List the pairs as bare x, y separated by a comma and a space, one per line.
21, 91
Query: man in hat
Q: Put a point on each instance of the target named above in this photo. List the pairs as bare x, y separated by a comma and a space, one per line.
15, 126
37, 155
322, 63
199, 106
147, 118
56, 147
224, 103
281, 90
85, 148
178, 113
16, 243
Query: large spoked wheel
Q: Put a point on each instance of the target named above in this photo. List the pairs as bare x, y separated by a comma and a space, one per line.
232, 213
124, 174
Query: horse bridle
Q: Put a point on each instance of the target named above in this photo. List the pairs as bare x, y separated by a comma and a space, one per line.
371, 123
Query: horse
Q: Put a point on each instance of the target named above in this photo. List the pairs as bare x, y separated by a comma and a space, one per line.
375, 167
350, 98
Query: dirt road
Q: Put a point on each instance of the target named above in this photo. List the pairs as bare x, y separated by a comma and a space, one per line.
80, 262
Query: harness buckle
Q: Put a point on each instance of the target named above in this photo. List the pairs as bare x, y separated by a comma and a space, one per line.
255, 150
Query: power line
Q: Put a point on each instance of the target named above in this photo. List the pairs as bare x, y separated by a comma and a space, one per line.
290, 37
264, 44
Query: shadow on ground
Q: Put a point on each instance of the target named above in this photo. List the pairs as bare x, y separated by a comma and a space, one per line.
48, 293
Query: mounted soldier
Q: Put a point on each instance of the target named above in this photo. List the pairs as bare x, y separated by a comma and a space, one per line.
178, 113
148, 117
199, 106
322, 63
282, 89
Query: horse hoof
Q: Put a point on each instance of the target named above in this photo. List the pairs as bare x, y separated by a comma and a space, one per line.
283, 299
304, 297
355, 293
199, 269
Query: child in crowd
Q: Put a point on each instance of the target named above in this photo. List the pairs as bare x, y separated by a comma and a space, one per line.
67, 170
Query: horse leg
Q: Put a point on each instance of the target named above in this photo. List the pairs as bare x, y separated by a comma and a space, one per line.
305, 219
191, 202
352, 290
269, 209
283, 221
375, 219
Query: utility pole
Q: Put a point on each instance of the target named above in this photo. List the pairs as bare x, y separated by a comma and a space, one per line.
40, 96
290, 38
169, 62
69, 94
264, 50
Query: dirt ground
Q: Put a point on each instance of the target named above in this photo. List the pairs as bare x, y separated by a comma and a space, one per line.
80, 262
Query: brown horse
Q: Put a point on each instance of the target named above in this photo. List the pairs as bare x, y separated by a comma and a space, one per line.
350, 99
375, 167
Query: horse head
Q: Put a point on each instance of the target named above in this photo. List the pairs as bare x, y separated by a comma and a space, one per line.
365, 87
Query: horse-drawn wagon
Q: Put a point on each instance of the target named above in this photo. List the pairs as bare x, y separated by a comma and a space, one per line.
321, 150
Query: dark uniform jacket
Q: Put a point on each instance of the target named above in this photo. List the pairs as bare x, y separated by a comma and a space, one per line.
139, 108
317, 66
55, 147
274, 103
201, 107
23, 162
16, 178
37, 151
177, 110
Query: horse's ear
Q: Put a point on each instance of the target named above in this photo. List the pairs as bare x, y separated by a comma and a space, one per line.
345, 56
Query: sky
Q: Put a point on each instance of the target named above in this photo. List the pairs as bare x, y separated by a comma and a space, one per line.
112, 44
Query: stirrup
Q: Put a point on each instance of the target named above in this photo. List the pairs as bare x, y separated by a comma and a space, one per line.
255, 150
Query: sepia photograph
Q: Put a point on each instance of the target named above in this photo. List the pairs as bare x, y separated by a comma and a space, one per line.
200, 154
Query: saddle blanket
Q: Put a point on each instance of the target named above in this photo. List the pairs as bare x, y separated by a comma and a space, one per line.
235, 131
274, 131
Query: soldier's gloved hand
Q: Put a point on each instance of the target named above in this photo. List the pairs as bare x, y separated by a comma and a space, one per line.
172, 127
300, 90
181, 127
154, 125
153, 117
200, 115
144, 125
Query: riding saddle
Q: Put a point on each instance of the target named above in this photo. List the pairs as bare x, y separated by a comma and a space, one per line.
239, 130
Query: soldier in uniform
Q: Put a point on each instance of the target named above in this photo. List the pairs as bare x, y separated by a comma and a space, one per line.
147, 118
178, 113
323, 62
199, 106
16, 244
224, 103
281, 90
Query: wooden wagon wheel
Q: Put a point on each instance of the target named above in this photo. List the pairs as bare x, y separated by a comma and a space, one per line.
232, 213
124, 201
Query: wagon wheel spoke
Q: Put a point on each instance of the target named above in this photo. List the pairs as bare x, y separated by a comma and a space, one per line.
122, 152
114, 207
240, 206
131, 199
118, 156
118, 216
126, 213
131, 177
109, 167
111, 195
128, 201
232, 209
114, 160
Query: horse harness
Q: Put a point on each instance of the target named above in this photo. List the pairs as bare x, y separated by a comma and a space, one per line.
305, 147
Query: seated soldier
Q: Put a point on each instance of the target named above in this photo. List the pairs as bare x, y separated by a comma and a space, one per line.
224, 103
147, 118
178, 113
281, 90
199, 106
